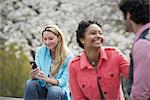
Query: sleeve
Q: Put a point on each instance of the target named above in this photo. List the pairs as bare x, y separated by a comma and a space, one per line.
123, 65
141, 80
76, 92
37, 57
64, 77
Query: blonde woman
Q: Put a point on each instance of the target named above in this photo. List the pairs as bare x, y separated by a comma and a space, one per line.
50, 79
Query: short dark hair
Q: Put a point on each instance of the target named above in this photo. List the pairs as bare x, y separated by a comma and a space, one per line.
82, 26
139, 10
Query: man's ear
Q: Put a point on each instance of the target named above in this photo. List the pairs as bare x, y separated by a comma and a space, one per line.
128, 15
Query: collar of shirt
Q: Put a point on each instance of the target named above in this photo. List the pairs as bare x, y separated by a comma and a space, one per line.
84, 62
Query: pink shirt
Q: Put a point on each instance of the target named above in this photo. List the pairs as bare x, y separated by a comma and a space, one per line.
141, 58
83, 77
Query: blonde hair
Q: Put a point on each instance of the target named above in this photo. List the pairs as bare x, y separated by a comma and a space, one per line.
61, 48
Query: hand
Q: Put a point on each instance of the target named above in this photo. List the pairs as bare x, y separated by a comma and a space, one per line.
41, 75
33, 73
49, 80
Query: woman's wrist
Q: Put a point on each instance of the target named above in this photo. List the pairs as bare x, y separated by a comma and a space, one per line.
52, 81
57, 82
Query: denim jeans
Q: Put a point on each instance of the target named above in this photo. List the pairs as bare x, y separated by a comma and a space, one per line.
33, 91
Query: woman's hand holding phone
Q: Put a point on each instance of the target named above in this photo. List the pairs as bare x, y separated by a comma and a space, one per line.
34, 70
41, 75
33, 65
34, 73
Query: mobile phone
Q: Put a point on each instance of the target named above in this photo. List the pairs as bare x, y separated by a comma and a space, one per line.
33, 64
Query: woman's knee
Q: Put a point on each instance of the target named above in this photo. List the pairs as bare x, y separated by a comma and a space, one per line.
31, 84
55, 91
30, 89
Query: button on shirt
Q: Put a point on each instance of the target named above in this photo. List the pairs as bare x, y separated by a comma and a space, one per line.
83, 77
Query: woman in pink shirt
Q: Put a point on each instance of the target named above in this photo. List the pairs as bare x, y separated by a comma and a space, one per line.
95, 73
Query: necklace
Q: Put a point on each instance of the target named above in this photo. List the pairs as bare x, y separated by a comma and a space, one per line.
93, 63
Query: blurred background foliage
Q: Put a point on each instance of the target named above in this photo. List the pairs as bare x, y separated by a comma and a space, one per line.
14, 70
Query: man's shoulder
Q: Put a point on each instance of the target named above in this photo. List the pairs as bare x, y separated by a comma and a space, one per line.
143, 39
145, 34
141, 48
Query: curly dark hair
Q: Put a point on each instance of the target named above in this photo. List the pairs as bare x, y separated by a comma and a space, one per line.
82, 26
139, 10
